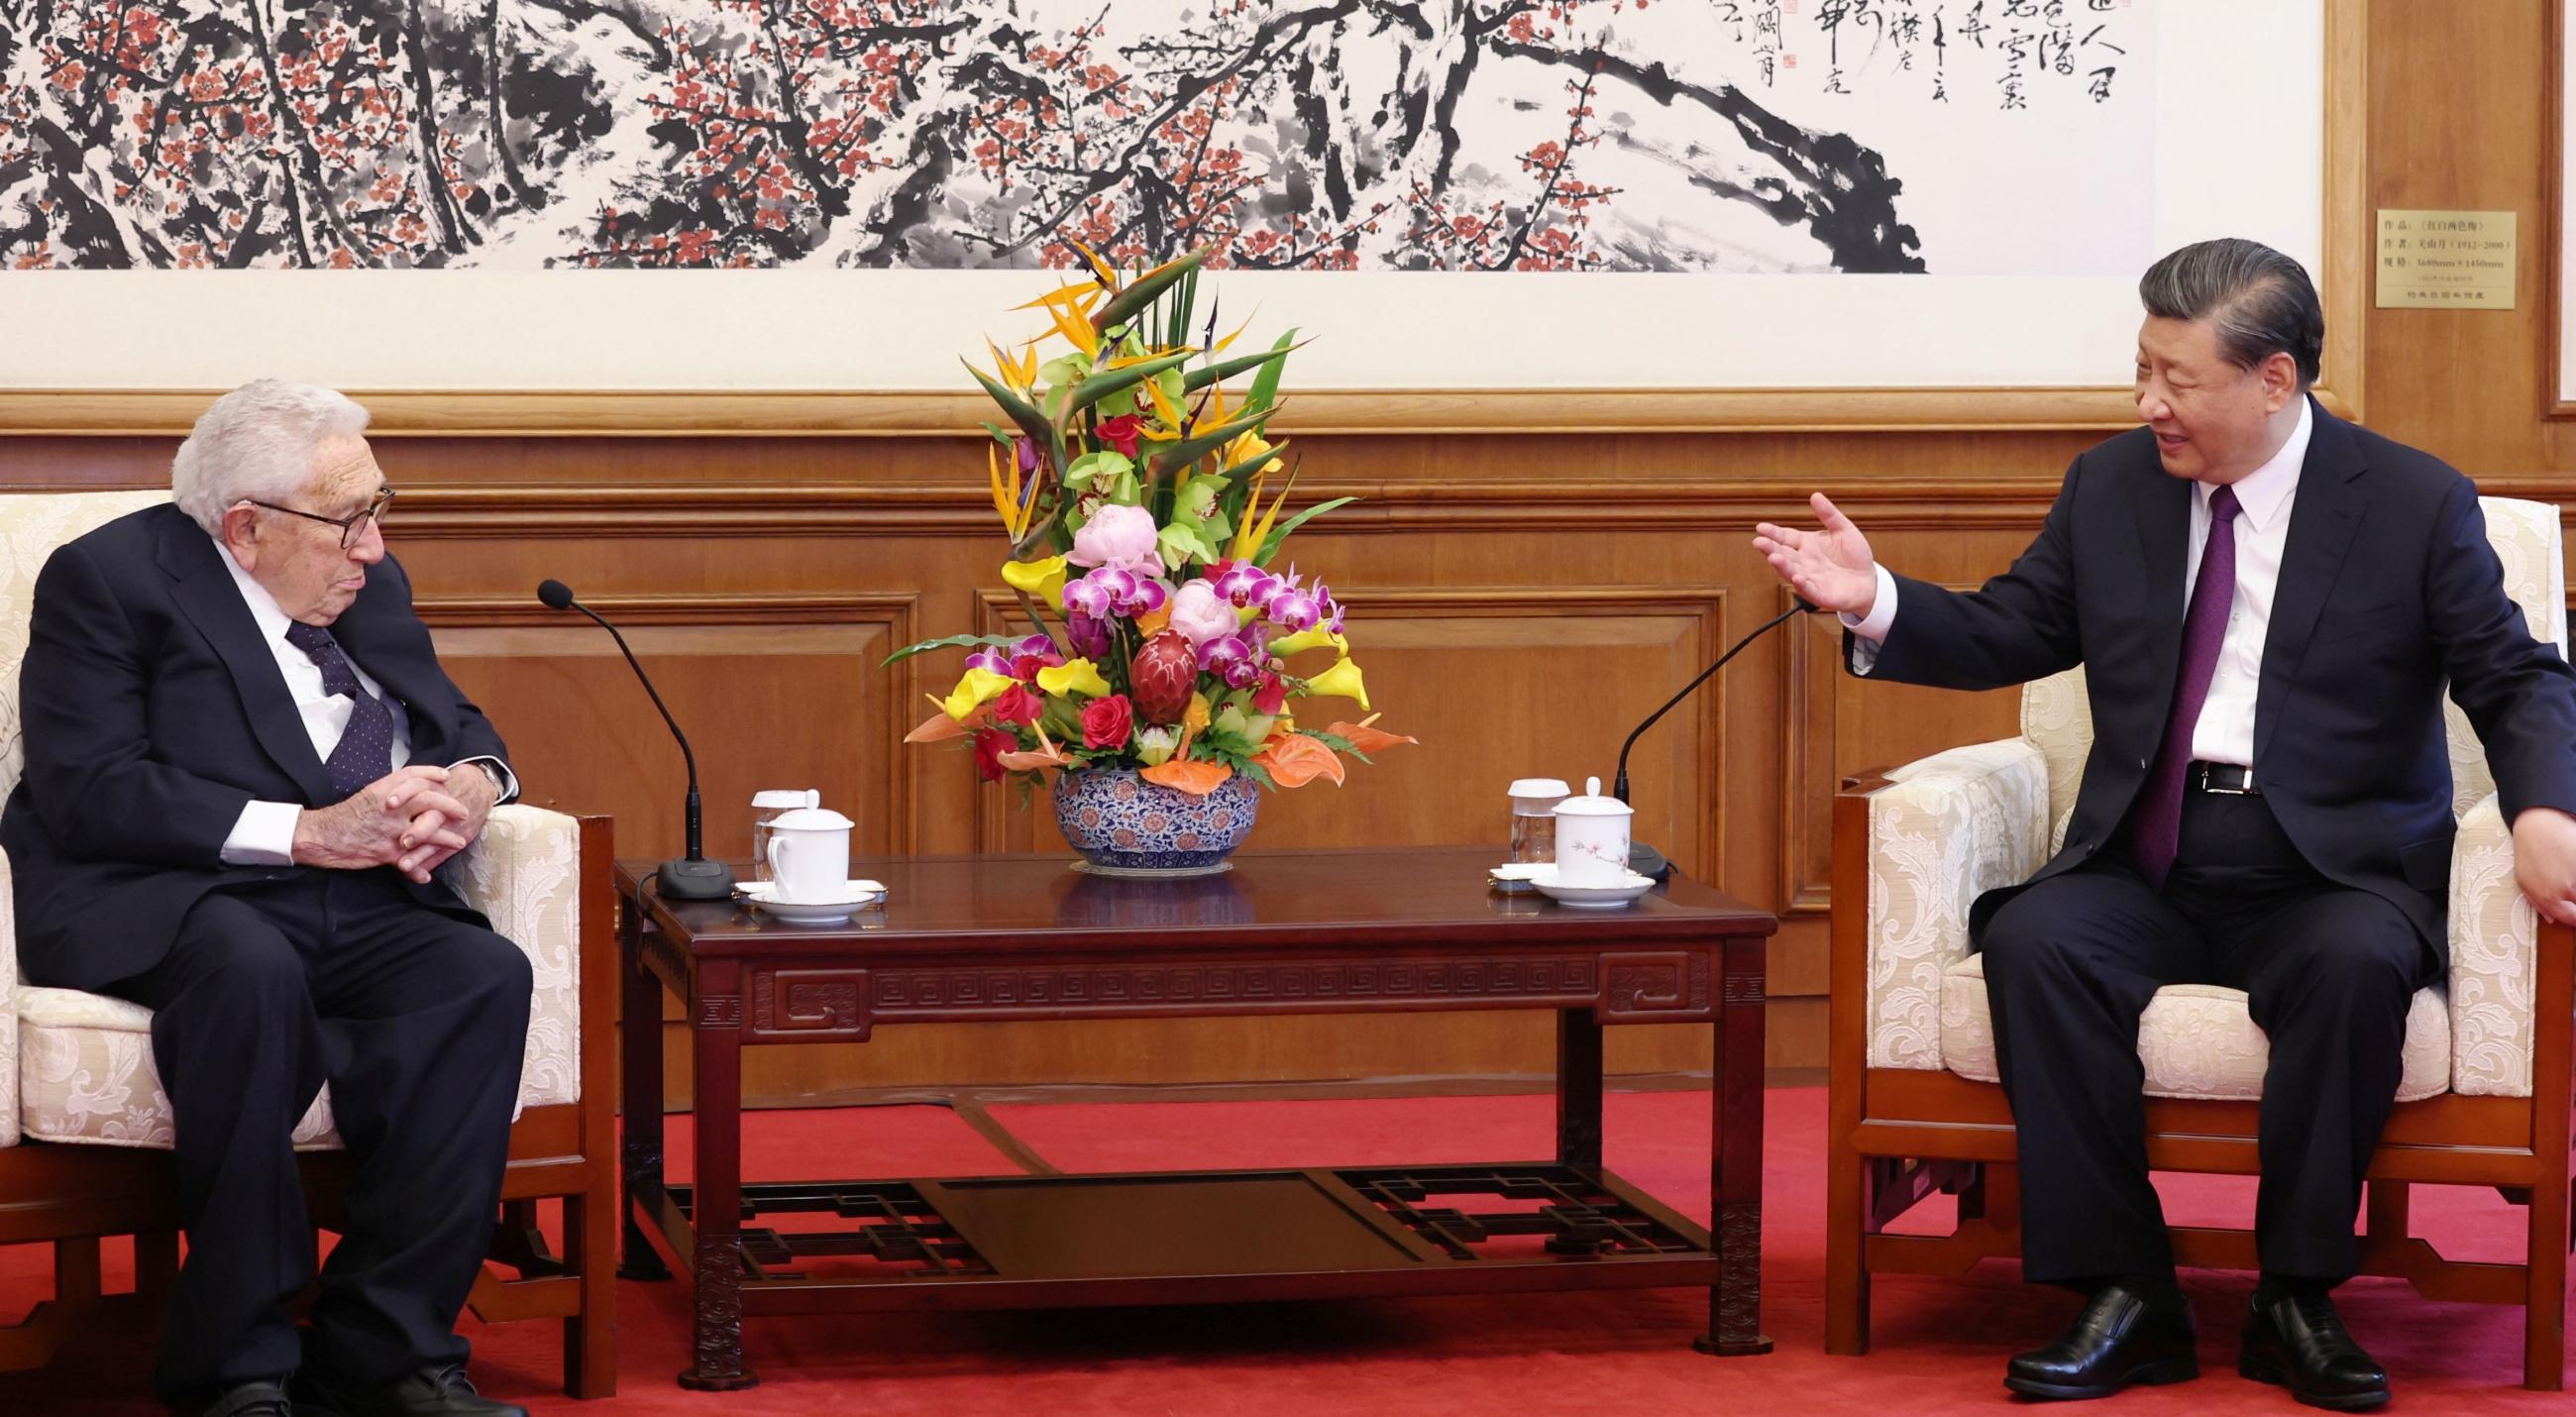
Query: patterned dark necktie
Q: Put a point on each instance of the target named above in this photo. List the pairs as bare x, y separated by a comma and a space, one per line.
2155, 829
365, 751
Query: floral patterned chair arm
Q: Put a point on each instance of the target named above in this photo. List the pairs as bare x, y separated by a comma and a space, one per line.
524, 873
1942, 830
2495, 960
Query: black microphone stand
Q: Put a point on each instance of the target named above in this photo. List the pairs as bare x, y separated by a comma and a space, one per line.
1643, 859
690, 877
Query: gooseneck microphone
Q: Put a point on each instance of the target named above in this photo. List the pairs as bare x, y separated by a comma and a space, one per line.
690, 877
1643, 859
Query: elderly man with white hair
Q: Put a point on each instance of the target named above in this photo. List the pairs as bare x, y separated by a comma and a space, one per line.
244, 768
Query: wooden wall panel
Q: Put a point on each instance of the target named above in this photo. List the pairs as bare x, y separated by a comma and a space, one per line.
1520, 596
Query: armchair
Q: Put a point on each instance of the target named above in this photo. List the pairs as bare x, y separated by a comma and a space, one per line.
1914, 1105
84, 1124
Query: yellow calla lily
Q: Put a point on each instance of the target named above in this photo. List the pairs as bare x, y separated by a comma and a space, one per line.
1304, 640
1079, 676
1042, 580
978, 688
1342, 681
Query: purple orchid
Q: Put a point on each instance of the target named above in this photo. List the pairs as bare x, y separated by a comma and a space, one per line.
1244, 584
991, 657
1113, 590
1232, 659
1293, 606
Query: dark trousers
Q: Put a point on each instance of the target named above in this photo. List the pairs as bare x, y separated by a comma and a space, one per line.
417, 1020
2073, 961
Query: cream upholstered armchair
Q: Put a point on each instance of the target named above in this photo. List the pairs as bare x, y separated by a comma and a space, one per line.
83, 1117
2484, 1098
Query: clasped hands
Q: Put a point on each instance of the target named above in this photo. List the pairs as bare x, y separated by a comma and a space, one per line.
411, 819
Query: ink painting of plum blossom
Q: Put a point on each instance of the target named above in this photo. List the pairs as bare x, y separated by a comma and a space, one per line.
734, 195
1384, 135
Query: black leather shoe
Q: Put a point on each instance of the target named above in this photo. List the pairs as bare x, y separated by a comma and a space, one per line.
266, 1398
2298, 1342
437, 1391
2123, 1336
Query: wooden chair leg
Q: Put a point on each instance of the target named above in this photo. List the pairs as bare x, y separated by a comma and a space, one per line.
156, 1264
1846, 1260
2544, 1322
590, 1249
2388, 1214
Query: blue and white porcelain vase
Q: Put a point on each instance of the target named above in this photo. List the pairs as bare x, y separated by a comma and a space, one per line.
1120, 822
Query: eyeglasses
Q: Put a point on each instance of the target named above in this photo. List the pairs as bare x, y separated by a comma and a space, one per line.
351, 527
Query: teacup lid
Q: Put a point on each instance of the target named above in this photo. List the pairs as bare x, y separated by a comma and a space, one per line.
1539, 787
788, 797
1593, 804
813, 819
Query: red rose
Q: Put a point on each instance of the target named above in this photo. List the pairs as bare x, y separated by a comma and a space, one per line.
1018, 705
1271, 696
1107, 723
1121, 432
990, 745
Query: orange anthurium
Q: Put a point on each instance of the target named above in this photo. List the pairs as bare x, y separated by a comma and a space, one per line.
1293, 760
939, 727
1189, 775
1046, 755
1367, 739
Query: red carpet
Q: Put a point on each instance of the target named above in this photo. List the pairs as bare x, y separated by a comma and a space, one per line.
1941, 1344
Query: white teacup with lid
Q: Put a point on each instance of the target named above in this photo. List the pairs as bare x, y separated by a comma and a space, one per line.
1592, 838
809, 855
768, 806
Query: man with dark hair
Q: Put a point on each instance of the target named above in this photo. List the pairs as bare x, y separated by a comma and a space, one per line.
2244, 562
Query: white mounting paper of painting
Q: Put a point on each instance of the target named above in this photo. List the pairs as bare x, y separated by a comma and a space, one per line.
1766, 193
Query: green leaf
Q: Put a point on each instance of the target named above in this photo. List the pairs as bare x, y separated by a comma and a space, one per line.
1223, 369
1144, 290
1265, 385
952, 642
1279, 533
1181, 541
1186, 451
1101, 385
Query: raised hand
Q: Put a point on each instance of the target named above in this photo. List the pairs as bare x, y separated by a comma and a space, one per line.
1831, 567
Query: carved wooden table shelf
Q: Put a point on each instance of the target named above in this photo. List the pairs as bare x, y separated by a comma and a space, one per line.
979, 939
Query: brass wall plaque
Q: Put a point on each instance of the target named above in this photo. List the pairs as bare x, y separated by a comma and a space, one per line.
2446, 260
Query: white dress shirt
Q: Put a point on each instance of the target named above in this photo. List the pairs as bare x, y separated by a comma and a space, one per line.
2224, 732
264, 834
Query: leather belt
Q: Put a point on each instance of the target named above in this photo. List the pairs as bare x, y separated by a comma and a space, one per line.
2230, 778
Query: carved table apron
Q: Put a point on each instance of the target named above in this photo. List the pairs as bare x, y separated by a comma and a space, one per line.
986, 938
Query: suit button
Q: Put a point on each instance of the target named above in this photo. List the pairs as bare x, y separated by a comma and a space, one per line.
2142, 765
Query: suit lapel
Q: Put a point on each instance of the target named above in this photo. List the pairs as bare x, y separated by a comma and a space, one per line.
2163, 512
2324, 517
207, 596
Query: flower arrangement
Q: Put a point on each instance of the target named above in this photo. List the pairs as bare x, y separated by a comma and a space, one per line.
1144, 508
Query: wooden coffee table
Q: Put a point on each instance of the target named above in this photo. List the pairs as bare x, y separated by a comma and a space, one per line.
987, 938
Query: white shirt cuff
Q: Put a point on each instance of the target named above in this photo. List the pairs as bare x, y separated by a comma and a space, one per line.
501, 774
264, 835
1869, 630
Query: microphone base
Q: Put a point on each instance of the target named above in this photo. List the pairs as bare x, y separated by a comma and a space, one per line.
1647, 861
685, 878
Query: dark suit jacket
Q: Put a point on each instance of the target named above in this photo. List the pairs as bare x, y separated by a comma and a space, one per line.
2388, 588
153, 712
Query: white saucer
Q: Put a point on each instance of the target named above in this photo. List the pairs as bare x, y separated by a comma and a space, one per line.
855, 895
1609, 897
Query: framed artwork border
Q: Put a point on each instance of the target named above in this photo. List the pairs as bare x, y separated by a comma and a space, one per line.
2344, 282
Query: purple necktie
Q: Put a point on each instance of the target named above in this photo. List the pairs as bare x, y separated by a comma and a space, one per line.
2155, 827
365, 751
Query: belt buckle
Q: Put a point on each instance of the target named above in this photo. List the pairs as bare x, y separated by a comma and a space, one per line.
2209, 783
